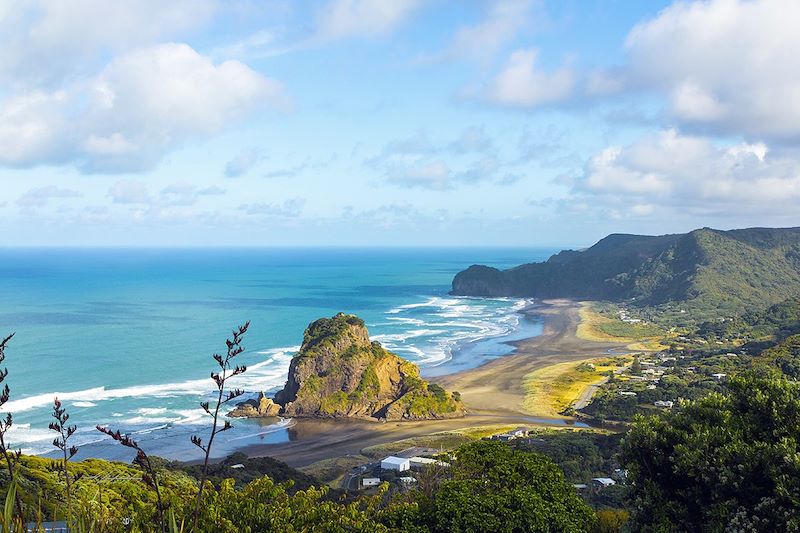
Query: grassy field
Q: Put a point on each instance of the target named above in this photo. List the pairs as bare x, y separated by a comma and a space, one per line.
597, 327
551, 390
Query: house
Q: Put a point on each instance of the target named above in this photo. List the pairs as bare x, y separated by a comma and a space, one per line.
620, 474
718, 377
370, 482
504, 437
627, 393
407, 480
602, 482
422, 462
401, 464
664, 404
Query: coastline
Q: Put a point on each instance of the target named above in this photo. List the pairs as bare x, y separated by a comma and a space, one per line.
493, 393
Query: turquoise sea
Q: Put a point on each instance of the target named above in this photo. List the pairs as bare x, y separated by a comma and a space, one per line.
124, 337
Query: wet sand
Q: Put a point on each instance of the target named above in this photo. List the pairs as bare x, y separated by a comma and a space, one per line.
493, 394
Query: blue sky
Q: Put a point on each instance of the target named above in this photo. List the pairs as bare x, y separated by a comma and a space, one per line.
394, 122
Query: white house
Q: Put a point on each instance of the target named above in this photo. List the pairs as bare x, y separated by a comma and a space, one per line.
718, 377
401, 464
664, 404
422, 462
407, 480
370, 482
603, 482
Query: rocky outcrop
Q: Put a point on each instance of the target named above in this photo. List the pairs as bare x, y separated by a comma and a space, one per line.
263, 407
340, 373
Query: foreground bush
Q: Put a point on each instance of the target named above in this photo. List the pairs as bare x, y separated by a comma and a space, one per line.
726, 462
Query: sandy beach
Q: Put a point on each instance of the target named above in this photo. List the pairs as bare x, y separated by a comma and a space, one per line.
493, 394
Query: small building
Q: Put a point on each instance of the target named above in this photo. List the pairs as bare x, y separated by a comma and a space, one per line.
370, 482
664, 404
602, 482
400, 464
422, 462
407, 480
627, 393
718, 377
237, 467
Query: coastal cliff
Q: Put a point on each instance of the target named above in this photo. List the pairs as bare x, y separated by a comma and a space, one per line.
340, 373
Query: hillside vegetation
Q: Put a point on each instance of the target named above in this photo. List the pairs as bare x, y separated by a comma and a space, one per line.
703, 270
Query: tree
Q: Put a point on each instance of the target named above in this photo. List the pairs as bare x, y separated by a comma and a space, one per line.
724, 462
492, 487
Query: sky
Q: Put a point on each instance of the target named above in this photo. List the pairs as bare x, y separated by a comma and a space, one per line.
394, 122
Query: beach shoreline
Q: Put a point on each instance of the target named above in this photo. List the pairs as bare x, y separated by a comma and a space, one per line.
493, 393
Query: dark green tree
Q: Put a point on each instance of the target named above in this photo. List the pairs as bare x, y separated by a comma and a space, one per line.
725, 462
492, 487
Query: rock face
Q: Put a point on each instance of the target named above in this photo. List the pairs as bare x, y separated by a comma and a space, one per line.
261, 408
339, 373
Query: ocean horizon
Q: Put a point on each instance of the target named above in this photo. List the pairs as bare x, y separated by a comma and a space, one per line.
124, 336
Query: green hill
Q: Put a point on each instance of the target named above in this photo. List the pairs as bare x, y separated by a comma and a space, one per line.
340, 373
706, 269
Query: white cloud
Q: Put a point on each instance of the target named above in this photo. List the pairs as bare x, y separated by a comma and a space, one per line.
503, 21
354, 18
522, 84
726, 65
693, 175
141, 105
44, 41
40, 196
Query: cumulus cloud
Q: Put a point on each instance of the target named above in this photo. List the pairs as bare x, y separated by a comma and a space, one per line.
693, 175
724, 65
43, 41
357, 18
521, 83
40, 196
291, 208
141, 105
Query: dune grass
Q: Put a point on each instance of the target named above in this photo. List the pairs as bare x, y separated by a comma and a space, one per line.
551, 390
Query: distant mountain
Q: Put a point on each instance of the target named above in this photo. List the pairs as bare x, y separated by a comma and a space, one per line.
706, 268
339, 373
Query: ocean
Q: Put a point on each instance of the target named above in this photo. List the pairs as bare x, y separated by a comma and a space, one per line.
125, 336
